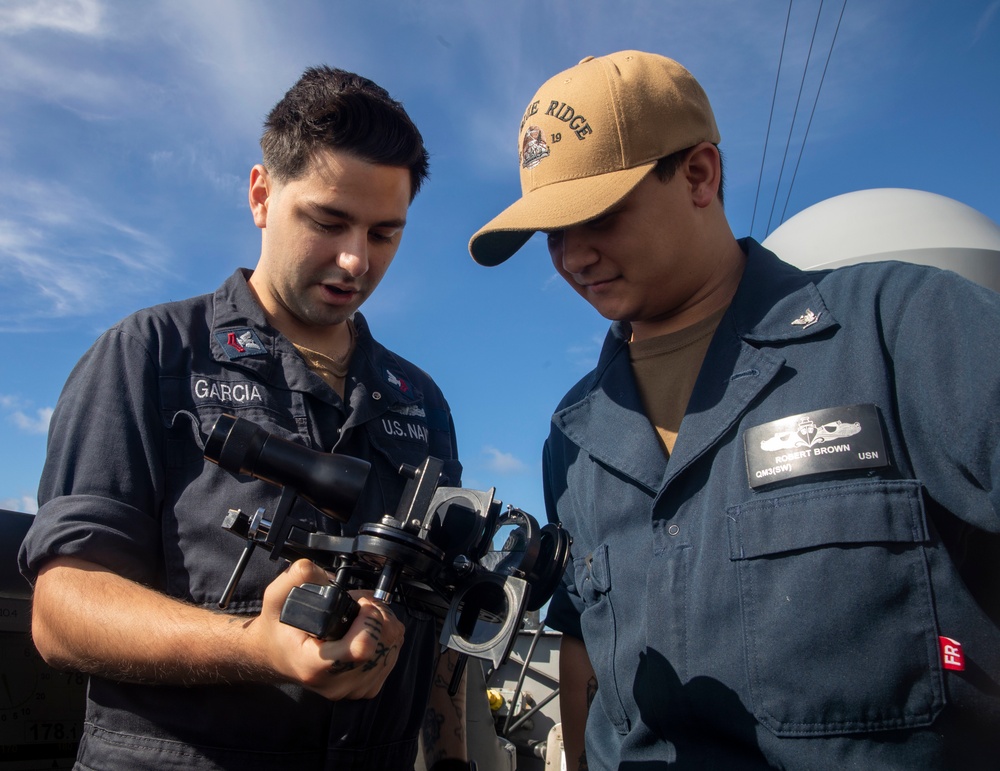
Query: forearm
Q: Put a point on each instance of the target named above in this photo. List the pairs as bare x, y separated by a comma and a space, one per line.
577, 691
91, 620
444, 731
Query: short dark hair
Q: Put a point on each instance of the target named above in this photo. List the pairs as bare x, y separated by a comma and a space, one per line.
667, 166
339, 110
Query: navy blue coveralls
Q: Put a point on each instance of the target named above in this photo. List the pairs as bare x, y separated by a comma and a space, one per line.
776, 593
125, 485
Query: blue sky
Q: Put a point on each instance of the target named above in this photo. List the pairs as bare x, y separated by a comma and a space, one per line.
128, 129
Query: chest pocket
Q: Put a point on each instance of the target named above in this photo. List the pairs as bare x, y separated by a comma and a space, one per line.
198, 555
838, 621
191, 404
592, 577
400, 439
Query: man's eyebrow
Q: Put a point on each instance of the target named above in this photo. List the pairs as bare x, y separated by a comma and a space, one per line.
333, 211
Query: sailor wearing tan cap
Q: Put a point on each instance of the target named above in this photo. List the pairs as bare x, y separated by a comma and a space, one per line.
783, 494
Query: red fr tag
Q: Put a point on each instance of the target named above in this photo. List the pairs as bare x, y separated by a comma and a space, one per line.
951, 654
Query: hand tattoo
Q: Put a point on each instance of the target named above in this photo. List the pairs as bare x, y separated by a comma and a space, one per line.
381, 656
373, 626
341, 666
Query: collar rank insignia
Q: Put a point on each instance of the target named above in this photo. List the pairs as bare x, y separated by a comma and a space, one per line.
807, 319
237, 343
399, 383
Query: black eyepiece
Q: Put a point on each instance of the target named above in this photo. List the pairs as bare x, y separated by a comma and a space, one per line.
330, 482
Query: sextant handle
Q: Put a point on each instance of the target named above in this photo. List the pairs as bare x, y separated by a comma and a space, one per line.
326, 612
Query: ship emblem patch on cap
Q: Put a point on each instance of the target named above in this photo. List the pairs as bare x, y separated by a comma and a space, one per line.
533, 147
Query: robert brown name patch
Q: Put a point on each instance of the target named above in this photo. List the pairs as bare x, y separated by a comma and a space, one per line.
834, 439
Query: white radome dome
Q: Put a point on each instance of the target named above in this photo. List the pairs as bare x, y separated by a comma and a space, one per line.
892, 224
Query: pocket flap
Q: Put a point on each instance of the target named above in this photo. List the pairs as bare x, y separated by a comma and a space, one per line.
876, 511
595, 569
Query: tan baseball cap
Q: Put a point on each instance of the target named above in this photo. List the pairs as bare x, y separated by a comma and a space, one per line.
589, 136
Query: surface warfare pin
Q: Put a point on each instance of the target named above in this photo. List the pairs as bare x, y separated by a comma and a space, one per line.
237, 343
834, 439
807, 319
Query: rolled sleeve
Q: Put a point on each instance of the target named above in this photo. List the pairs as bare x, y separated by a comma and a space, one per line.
101, 487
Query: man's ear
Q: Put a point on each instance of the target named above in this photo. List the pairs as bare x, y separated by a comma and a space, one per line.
260, 191
703, 169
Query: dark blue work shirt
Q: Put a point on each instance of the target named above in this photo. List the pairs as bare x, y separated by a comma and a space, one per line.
787, 590
125, 485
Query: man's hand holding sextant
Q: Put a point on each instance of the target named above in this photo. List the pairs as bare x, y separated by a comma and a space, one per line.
353, 667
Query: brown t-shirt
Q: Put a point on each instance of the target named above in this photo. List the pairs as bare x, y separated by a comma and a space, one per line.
665, 369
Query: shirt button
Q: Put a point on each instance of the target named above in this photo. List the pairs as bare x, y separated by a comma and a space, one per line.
673, 530
376, 395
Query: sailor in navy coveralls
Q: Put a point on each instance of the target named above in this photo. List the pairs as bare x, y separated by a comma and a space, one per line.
783, 487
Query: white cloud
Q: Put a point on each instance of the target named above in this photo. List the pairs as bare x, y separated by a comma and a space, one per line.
583, 357
20, 414
37, 424
64, 256
202, 165
90, 57
25, 503
986, 20
503, 462
81, 89
554, 280
79, 17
